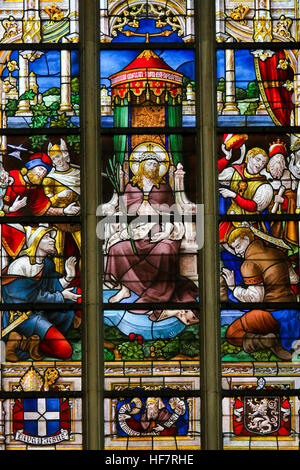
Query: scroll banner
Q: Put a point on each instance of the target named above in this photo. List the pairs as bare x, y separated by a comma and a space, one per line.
275, 79
63, 435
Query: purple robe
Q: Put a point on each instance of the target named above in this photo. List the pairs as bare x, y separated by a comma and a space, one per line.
153, 275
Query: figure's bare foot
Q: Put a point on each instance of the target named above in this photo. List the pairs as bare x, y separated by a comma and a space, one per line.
109, 285
123, 293
185, 316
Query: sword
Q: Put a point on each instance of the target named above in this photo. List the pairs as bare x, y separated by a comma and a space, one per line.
21, 318
269, 238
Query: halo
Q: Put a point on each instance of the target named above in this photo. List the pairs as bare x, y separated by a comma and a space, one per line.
155, 151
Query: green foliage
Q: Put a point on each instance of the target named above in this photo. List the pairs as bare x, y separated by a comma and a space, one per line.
108, 355
113, 335
186, 343
52, 91
76, 354
251, 110
252, 90
74, 141
148, 347
75, 85
61, 120
158, 348
37, 141
11, 108
227, 348
221, 84
171, 349
53, 108
40, 109
75, 99
189, 349
264, 355
38, 121
131, 351
28, 95
241, 94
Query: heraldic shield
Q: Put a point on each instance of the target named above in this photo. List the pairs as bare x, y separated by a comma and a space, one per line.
41, 420
262, 416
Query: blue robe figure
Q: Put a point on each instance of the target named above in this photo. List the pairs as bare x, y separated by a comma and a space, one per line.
42, 288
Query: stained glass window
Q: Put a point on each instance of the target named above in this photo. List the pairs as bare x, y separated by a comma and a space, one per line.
151, 20
258, 144
40, 227
32, 21
148, 226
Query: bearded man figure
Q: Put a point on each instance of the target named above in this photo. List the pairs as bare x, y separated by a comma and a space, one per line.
150, 267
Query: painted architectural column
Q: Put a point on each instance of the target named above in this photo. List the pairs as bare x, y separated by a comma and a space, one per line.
189, 22
24, 58
104, 22
230, 106
221, 34
65, 82
262, 21
24, 105
31, 21
74, 22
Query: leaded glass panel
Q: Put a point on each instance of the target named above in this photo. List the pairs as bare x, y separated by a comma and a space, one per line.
147, 21
148, 225
258, 222
40, 230
257, 20
31, 21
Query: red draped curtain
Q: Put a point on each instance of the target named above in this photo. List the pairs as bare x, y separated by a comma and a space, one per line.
275, 78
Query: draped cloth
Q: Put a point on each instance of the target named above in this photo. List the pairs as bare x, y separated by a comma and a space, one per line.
152, 274
43, 288
273, 83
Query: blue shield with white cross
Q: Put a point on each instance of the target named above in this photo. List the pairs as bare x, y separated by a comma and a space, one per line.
41, 416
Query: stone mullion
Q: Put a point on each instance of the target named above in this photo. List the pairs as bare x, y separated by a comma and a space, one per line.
91, 247
210, 357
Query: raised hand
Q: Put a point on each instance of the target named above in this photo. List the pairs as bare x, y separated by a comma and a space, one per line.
18, 204
70, 268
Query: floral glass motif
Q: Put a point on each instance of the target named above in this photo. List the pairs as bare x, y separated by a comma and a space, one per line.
257, 21
147, 21
32, 21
